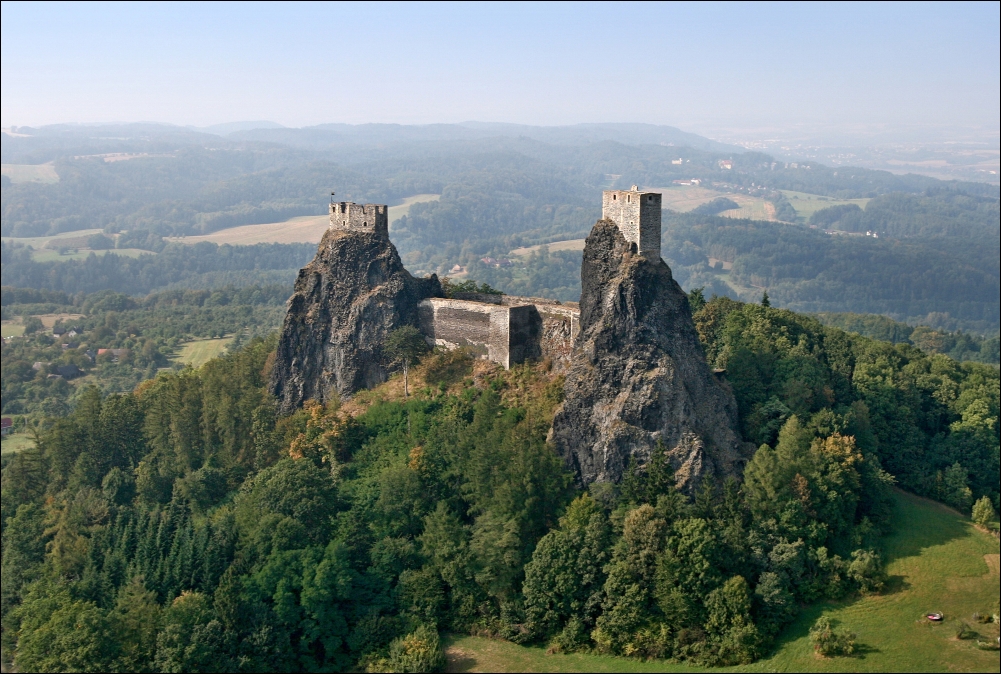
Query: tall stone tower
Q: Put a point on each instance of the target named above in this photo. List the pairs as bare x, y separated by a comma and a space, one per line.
372, 218
637, 215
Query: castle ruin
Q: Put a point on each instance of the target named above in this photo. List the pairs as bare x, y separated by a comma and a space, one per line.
371, 218
637, 215
502, 328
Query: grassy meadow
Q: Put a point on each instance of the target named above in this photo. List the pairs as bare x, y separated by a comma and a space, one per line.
302, 229
12, 328
937, 561
38, 242
806, 205
572, 244
48, 255
200, 351
398, 211
15, 443
30, 173
684, 198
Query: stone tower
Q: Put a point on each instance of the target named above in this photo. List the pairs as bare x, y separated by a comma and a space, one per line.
373, 218
637, 215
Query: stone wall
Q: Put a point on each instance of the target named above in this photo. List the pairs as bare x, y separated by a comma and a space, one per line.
560, 327
637, 215
507, 333
373, 218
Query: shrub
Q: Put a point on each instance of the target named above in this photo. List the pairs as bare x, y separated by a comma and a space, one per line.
447, 367
983, 511
828, 641
419, 651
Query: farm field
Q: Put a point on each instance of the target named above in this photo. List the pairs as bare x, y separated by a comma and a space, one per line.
937, 561
397, 212
571, 244
49, 320
30, 173
47, 255
38, 242
12, 328
806, 204
200, 351
684, 198
15, 443
302, 229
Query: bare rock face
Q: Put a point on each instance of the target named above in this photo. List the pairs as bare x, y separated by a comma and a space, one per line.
346, 301
638, 375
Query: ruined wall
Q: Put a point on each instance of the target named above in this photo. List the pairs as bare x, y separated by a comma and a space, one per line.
505, 333
373, 218
560, 327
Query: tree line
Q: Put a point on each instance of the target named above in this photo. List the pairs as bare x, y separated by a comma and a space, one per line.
184, 526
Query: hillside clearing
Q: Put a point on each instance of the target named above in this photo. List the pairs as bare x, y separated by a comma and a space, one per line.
937, 561
684, 198
806, 204
84, 253
398, 211
30, 173
15, 443
38, 242
572, 244
302, 229
200, 351
12, 328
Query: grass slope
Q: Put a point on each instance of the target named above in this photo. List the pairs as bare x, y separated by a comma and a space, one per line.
301, 229
200, 351
937, 561
806, 204
15, 443
30, 173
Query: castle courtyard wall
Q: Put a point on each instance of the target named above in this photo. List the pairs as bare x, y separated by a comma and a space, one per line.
509, 332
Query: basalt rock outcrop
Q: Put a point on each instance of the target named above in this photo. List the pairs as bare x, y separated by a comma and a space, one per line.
638, 375
346, 301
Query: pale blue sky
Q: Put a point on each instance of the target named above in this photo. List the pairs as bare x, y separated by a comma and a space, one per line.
683, 64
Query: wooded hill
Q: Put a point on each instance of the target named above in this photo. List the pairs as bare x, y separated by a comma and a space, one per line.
185, 527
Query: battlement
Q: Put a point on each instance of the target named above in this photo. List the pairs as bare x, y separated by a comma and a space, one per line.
637, 215
360, 217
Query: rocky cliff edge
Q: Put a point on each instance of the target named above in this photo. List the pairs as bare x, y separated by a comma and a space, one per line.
346, 301
638, 375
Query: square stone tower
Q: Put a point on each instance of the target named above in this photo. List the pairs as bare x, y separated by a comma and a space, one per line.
360, 217
638, 216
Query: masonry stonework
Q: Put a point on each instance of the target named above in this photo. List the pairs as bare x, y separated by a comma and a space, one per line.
637, 215
504, 329
373, 218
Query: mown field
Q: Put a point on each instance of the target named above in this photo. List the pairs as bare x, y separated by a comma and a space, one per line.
15, 443
30, 173
82, 253
572, 244
38, 242
937, 561
12, 328
302, 229
806, 205
200, 351
682, 198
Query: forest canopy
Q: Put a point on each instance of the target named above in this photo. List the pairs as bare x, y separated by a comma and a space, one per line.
183, 526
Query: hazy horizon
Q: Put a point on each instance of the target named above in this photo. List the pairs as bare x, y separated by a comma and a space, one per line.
847, 69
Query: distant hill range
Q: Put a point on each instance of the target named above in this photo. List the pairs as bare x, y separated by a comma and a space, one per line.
912, 247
